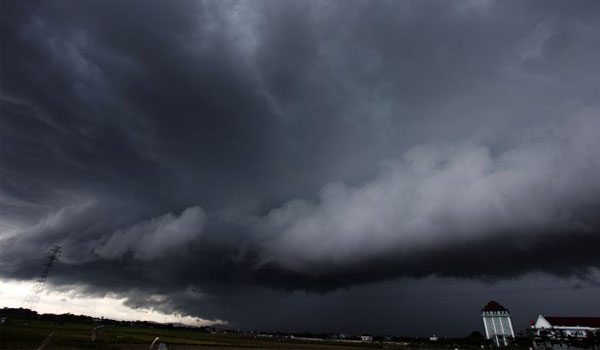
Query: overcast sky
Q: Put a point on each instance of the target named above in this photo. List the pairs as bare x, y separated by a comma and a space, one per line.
287, 165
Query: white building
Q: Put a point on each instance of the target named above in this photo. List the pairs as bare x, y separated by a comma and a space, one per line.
557, 327
496, 320
566, 333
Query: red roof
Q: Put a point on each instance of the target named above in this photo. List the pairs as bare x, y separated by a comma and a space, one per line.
494, 306
574, 321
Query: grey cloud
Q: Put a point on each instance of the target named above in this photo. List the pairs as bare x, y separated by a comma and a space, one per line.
443, 195
204, 150
157, 237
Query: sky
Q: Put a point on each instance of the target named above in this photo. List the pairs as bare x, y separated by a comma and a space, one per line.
324, 166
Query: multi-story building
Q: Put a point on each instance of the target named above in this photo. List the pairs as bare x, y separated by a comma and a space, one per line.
497, 323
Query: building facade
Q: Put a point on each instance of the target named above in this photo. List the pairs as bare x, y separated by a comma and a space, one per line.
566, 333
497, 323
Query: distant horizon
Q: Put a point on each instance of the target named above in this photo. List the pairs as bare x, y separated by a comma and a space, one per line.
228, 328
225, 327
521, 322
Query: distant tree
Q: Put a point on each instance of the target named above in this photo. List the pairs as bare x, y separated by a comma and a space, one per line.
475, 338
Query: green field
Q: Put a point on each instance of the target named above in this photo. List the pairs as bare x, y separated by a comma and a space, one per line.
29, 334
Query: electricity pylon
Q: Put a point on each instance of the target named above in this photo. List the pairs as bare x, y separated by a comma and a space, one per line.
34, 295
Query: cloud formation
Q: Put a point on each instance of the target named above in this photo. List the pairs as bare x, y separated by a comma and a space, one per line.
205, 150
438, 196
155, 238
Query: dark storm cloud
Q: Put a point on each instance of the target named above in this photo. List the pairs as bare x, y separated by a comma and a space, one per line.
205, 150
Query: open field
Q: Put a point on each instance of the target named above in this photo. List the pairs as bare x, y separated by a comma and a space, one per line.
29, 334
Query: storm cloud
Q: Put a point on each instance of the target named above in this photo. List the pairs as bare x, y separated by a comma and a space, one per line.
207, 151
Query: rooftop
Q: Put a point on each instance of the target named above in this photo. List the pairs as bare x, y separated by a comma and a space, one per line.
494, 306
574, 321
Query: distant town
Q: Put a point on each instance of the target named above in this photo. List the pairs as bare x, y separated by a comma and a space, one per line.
23, 327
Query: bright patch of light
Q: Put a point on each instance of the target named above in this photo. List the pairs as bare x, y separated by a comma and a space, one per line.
12, 294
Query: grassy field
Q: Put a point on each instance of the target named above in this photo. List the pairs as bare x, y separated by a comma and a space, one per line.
28, 334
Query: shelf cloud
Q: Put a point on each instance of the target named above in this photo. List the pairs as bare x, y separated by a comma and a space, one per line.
202, 151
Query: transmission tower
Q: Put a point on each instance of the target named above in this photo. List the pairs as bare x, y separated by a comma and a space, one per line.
34, 295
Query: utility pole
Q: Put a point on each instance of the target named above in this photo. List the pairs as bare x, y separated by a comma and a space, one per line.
34, 295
